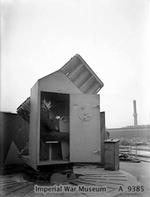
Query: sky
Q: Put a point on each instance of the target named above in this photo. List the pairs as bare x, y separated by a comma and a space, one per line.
39, 36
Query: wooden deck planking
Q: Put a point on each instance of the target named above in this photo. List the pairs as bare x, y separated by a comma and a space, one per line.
22, 192
13, 189
16, 186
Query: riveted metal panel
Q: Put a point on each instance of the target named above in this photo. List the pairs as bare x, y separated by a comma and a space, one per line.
84, 128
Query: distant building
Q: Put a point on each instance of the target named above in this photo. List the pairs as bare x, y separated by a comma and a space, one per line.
137, 132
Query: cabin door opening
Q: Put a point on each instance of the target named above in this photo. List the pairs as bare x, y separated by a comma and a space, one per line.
54, 126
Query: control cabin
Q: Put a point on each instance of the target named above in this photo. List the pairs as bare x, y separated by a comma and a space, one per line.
71, 95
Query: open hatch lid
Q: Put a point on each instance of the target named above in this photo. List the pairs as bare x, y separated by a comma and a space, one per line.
79, 72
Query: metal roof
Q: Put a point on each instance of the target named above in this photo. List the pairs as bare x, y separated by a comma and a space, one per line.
79, 72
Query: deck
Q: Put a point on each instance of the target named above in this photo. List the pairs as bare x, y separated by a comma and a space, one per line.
89, 175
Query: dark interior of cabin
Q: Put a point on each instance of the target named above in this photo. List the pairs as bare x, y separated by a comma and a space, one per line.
54, 126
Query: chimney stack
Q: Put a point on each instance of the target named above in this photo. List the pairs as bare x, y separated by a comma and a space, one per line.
135, 113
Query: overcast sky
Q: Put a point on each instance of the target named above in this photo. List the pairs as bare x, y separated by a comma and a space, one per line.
112, 36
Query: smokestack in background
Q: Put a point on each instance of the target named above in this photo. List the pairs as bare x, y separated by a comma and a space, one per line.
135, 113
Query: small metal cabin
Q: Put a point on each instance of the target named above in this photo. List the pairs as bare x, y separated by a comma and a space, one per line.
72, 91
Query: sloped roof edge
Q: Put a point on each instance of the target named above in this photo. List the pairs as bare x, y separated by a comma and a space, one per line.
88, 67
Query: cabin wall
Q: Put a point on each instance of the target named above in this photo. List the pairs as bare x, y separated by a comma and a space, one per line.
57, 82
85, 137
34, 125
